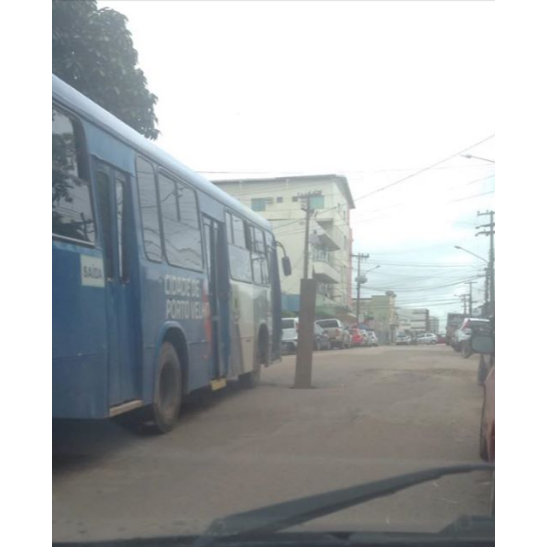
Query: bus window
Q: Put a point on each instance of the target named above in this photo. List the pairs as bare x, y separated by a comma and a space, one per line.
103, 199
72, 215
181, 233
239, 232
260, 261
239, 256
149, 210
121, 209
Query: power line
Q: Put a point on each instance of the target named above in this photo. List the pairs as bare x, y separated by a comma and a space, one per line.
353, 223
420, 171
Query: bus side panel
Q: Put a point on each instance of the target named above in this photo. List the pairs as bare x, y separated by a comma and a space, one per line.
79, 343
173, 296
242, 328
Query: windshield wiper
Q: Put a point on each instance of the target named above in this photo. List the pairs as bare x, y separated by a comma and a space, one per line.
273, 518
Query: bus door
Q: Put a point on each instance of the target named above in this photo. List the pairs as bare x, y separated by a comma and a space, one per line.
114, 209
219, 295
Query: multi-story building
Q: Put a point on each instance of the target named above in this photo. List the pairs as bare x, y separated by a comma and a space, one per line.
380, 313
417, 321
280, 200
434, 324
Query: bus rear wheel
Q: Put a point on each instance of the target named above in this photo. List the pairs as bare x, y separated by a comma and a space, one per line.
251, 379
168, 391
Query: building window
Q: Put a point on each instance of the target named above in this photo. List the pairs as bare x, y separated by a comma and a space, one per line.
259, 204
72, 214
279, 200
295, 199
317, 202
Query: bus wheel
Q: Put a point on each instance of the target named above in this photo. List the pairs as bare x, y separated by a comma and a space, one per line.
252, 379
168, 392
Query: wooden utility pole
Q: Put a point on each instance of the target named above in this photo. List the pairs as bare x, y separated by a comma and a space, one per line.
489, 231
306, 317
360, 281
306, 207
470, 296
464, 301
306, 314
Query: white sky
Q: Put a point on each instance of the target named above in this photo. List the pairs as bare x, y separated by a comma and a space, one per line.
371, 90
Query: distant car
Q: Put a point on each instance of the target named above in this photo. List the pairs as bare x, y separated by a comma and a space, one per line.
321, 338
347, 338
372, 338
358, 339
441, 339
289, 339
461, 338
338, 335
403, 339
428, 338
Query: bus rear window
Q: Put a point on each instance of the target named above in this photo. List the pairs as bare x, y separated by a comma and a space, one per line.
72, 214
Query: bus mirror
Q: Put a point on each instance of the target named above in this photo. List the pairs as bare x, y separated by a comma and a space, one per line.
286, 263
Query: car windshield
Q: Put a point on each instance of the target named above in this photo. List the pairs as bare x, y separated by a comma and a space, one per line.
328, 323
264, 215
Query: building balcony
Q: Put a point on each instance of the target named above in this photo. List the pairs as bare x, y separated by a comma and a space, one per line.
323, 238
334, 233
325, 272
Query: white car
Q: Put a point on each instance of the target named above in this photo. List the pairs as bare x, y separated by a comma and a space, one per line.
427, 338
289, 340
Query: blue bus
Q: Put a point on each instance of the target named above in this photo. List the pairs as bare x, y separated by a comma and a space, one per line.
162, 283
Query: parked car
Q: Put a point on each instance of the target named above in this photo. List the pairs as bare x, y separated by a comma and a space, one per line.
427, 338
338, 334
403, 339
358, 339
321, 341
289, 339
462, 336
441, 339
372, 338
347, 338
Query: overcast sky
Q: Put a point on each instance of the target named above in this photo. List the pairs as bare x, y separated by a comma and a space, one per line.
375, 91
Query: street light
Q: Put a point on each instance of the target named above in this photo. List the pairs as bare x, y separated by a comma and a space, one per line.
360, 280
465, 250
469, 157
363, 278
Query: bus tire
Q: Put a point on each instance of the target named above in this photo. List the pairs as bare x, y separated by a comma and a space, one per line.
251, 379
168, 390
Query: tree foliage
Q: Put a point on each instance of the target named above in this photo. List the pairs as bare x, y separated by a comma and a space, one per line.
93, 52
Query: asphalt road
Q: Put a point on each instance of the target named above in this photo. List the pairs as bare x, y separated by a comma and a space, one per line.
373, 413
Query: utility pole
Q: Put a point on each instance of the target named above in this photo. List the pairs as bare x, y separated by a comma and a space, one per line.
463, 298
306, 314
486, 292
306, 207
470, 296
360, 281
489, 231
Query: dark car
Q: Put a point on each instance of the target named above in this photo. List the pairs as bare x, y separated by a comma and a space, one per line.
321, 339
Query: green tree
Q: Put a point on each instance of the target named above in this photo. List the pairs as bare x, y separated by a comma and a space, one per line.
93, 52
